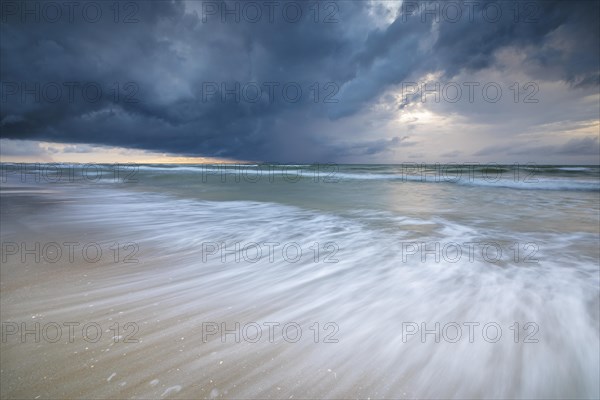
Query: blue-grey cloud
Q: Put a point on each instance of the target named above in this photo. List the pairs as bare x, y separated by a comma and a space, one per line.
166, 65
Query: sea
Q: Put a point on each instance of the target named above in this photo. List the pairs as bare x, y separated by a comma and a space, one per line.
272, 280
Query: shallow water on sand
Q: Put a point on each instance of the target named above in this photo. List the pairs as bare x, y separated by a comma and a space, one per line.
377, 284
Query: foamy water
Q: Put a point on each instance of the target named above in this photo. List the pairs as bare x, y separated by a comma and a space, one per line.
361, 278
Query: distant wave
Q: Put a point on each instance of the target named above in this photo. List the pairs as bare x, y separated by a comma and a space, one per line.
539, 183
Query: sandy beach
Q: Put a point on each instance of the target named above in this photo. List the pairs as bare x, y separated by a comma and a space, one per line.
140, 292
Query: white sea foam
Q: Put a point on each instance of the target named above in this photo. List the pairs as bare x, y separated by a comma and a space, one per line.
171, 390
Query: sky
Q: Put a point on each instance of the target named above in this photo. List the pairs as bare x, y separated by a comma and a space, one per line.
300, 81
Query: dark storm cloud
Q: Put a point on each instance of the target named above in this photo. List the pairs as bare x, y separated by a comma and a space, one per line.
401, 50
167, 65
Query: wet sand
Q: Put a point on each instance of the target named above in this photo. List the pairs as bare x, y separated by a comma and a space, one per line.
163, 353
169, 294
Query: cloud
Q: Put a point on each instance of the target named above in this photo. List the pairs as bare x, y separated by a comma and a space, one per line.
575, 147
21, 148
451, 154
579, 147
164, 80
372, 147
